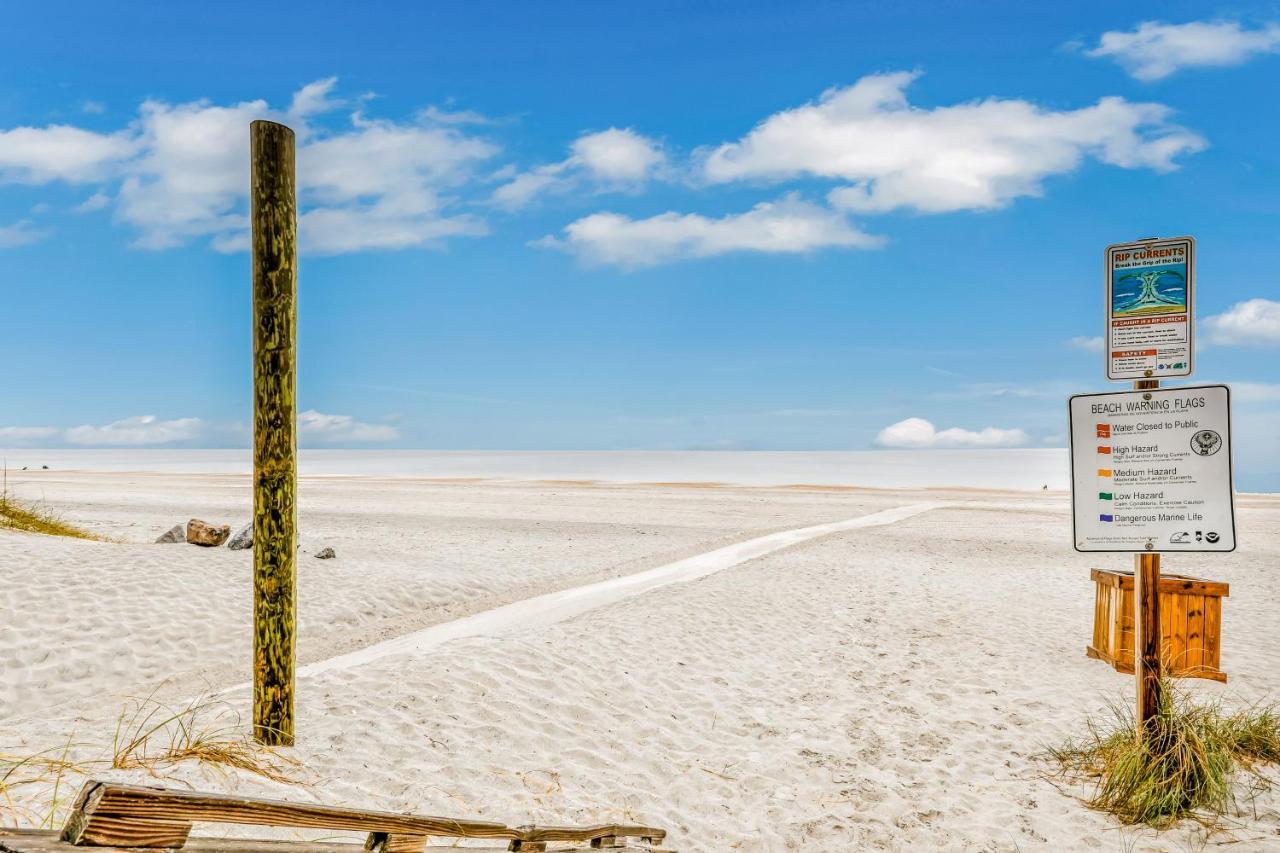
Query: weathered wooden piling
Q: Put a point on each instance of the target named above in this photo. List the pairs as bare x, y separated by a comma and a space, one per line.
273, 215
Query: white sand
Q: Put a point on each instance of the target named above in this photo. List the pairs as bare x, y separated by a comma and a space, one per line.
884, 684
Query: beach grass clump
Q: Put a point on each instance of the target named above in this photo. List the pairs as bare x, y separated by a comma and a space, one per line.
37, 789
150, 734
34, 518
1195, 762
51, 768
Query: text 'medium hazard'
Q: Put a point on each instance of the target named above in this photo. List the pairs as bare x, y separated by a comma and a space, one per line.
1151, 470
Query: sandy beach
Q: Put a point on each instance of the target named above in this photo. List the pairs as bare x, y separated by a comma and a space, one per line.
753, 667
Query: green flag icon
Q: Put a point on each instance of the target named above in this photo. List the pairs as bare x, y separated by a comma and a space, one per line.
1106, 496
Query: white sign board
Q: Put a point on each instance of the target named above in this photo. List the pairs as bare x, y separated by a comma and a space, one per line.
1151, 470
1150, 309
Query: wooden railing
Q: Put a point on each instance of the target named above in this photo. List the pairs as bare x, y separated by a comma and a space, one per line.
110, 815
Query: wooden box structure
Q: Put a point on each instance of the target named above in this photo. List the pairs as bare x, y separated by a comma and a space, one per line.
1190, 623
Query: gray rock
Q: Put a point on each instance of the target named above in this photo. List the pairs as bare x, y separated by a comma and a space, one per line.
243, 540
325, 554
177, 533
209, 535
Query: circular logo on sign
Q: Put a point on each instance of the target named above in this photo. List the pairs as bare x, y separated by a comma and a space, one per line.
1206, 442
1211, 536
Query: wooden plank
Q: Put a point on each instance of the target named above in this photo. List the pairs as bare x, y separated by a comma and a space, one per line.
1175, 641
1168, 582
1192, 586
1194, 658
1100, 617
391, 842
273, 215
1166, 629
127, 815
1127, 644
42, 841
109, 809
47, 841
1102, 577
1212, 627
589, 833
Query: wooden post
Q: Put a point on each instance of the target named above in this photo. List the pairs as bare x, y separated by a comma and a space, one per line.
1146, 626
273, 214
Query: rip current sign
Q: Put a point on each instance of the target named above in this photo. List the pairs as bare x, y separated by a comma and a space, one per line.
1151, 470
1150, 309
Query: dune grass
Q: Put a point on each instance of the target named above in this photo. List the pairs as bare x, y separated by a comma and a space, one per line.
37, 789
1197, 763
150, 735
34, 518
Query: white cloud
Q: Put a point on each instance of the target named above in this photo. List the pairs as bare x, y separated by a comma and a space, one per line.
386, 225
39, 155
919, 433
443, 116
97, 201
1038, 389
1155, 50
21, 233
786, 226
617, 155
1254, 322
1255, 392
15, 435
526, 186
193, 174
379, 187
972, 156
183, 173
1087, 344
613, 159
342, 428
143, 429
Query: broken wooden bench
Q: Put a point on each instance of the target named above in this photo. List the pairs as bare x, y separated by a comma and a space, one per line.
131, 817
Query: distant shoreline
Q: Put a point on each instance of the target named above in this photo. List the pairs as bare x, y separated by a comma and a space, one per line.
1009, 468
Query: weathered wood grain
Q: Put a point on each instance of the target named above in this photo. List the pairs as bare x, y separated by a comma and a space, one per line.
134, 816
1190, 616
273, 214
1168, 583
392, 842
44, 841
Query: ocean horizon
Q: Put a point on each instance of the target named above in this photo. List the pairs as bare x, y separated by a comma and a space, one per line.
1008, 468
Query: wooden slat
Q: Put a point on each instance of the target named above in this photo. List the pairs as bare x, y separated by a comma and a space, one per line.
590, 833
390, 842
124, 815
1125, 648
1194, 658
1100, 618
1168, 582
109, 809
40, 841
1212, 625
1166, 630
1176, 639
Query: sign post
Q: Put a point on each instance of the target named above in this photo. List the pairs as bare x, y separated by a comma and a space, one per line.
1146, 629
1151, 467
1151, 471
273, 214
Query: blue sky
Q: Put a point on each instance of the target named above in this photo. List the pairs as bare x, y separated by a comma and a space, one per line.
746, 225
